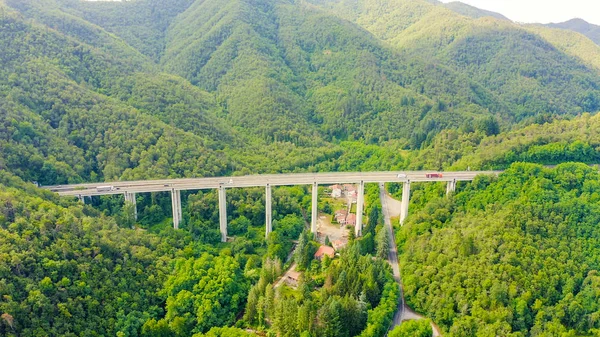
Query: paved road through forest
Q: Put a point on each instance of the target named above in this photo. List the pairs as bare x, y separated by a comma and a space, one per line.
404, 312
393, 253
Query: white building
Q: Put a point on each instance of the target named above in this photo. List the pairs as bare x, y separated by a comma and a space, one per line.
336, 191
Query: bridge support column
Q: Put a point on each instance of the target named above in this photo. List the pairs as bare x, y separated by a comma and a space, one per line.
405, 201
268, 211
81, 199
223, 213
360, 200
176, 204
451, 187
314, 213
130, 197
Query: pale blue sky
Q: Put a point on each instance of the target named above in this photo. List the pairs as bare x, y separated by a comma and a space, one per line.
541, 11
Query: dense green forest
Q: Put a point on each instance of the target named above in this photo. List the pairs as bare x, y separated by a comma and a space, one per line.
69, 271
301, 62
349, 296
548, 143
96, 91
412, 328
509, 256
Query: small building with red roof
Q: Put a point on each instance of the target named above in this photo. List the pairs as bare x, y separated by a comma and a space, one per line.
324, 250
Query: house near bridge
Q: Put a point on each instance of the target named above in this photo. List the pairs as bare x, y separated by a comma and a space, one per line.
336, 191
324, 250
350, 190
340, 216
292, 278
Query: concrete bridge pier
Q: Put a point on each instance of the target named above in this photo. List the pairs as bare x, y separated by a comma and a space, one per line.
360, 201
223, 213
176, 204
405, 201
451, 187
81, 198
268, 211
130, 197
314, 213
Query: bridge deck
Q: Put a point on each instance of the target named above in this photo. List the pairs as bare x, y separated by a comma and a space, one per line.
288, 179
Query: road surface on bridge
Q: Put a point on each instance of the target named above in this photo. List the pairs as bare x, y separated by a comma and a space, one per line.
284, 179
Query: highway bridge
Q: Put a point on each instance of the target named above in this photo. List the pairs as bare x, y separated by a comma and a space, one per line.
130, 188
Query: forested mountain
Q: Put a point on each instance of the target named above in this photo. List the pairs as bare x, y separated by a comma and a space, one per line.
517, 72
580, 26
548, 143
296, 65
60, 125
145, 89
142, 24
570, 42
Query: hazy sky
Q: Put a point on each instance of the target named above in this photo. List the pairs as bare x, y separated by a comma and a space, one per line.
541, 11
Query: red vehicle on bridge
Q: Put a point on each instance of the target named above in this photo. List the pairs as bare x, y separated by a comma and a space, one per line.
433, 175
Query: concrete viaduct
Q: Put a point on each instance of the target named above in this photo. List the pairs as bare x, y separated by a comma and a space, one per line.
175, 186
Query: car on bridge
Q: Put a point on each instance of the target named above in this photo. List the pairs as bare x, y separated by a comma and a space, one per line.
433, 175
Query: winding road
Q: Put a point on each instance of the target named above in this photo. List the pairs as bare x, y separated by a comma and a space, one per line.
404, 312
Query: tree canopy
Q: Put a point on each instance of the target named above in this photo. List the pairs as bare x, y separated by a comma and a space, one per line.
512, 256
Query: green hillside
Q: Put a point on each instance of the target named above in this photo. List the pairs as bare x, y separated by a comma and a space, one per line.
76, 113
285, 63
142, 24
301, 74
293, 65
570, 42
549, 143
519, 68
49, 14
60, 125
512, 256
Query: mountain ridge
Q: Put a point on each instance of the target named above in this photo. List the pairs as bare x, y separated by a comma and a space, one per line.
472, 11
581, 26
